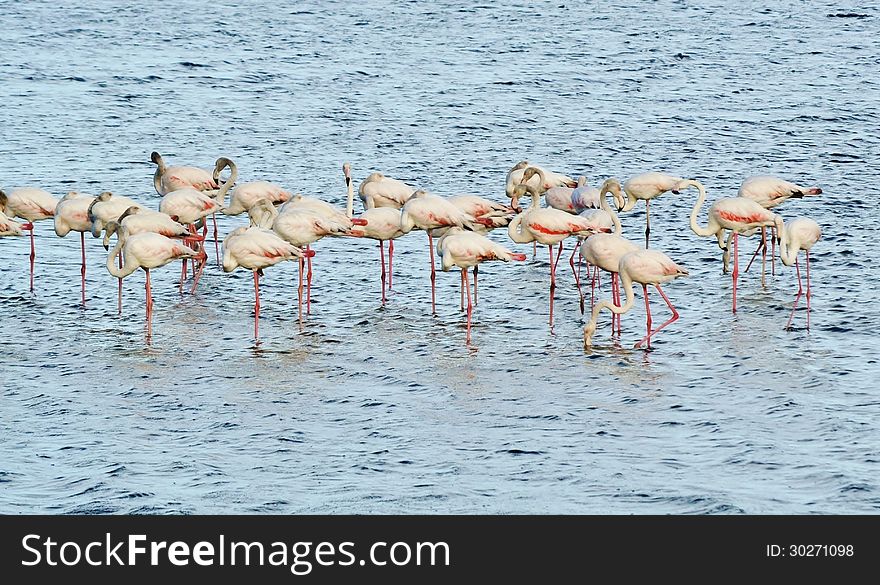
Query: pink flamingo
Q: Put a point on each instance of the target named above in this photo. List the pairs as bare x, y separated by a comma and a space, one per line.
245, 195
646, 187
548, 227
31, 205
540, 178
769, 192
72, 215
382, 225
105, 208
385, 191
256, 248
737, 214
427, 212
799, 234
468, 249
146, 250
645, 267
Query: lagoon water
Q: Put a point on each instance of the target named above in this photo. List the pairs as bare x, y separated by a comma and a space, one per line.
368, 409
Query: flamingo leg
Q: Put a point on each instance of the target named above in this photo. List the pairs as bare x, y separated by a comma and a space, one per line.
433, 275
763, 257
552, 282
797, 297
82, 242
149, 296
216, 238
256, 304
382, 260
647, 221
203, 259
735, 266
309, 284
476, 272
809, 290
648, 321
773, 251
182, 275
671, 320
577, 278
615, 298
299, 290
33, 256
119, 294
755, 255
595, 271
534, 250
461, 291
390, 256
470, 307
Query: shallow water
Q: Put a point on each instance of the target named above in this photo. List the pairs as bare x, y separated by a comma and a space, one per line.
368, 409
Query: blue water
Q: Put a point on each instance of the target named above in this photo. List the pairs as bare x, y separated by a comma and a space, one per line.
387, 410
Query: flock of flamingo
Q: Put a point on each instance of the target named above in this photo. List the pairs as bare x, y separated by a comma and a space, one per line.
284, 226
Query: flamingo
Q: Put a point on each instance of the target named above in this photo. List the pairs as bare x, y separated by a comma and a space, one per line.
9, 227
769, 192
338, 223
799, 234
385, 191
246, 194
468, 249
737, 214
107, 207
546, 226
31, 205
167, 179
544, 180
427, 212
645, 267
649, 186
382, 224
72, 215
604, 251
146, 250
256, 248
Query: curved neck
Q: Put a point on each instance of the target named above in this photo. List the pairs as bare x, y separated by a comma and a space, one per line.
227, 185
349, 206
543, 177
787, 252
630, 201
603, 205
129, 264
515, 233
700, 231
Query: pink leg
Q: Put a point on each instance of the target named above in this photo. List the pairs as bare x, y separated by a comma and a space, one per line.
615, 297
299, 290
648, 321
552, 282
33, 257
461, 292
82, 242
149, 296
470, 307
182, 275
534, 250
755, 255
203, 259
735, 266
577, 278
558, 256
671, 320
476, 273
256, 304
773, 251
797, 297
763, 257
593, 278
216, 240
119, 294
809, 290
390, 258
309, 284
382, 259
433, 275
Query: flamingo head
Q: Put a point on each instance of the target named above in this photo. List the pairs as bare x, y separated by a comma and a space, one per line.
156, 157
346, 170
528, 174
130, 211
612, 186
110, 229
520, 165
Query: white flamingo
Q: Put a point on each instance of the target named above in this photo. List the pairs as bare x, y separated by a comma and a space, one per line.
799, 234
769, 192
107, 207
428, 212
29, 204
645, 267
72, 215
244, 196
146, 250
382, 225
463, 249
546, 226
543, 179
385, 191
256, 248
167, 179
739, 215
646, 187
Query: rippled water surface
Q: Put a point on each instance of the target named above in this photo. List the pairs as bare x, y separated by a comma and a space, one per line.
366, 409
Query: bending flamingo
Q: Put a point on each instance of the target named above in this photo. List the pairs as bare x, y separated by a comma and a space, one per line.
645, 267
245, 195
145, 250
105, 208
646, 187
542, 179
167, 179
737, 214
31, 205
769, 192
72, 215
468, 249
799, 234
385, 191
546, 226
256, 248
382, 225
427, 212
